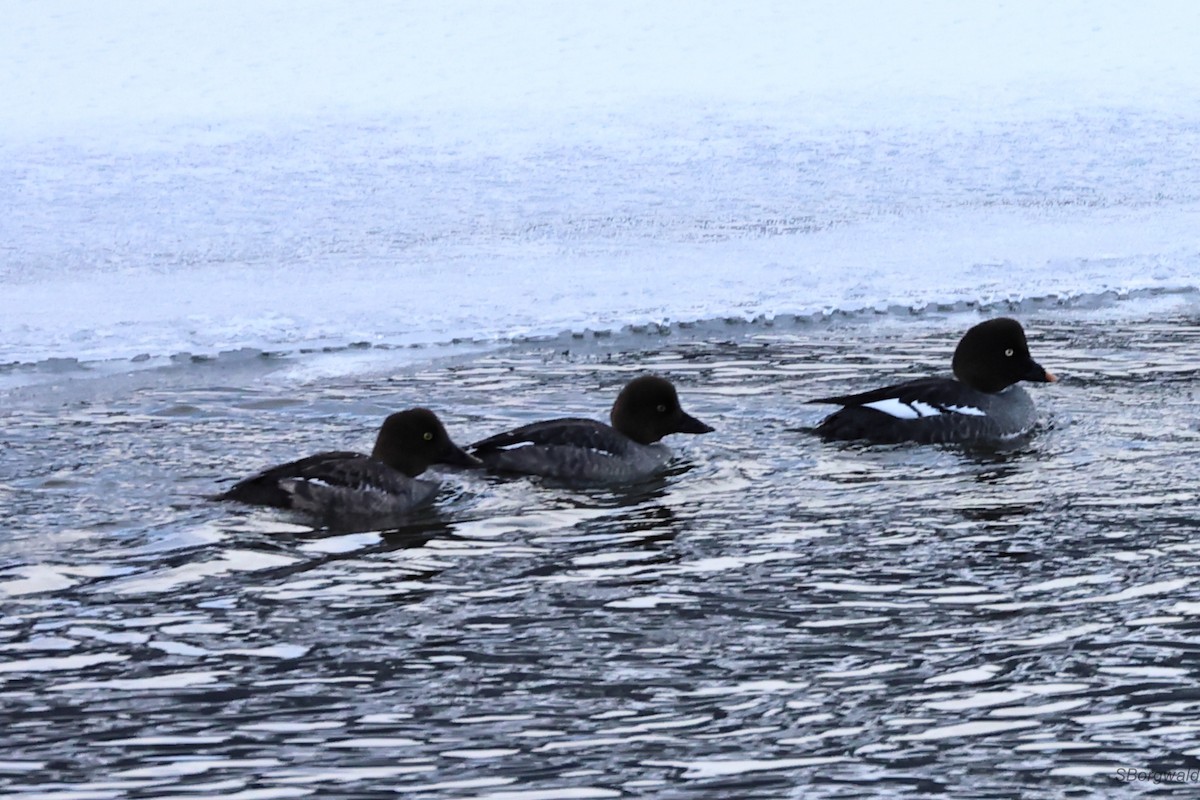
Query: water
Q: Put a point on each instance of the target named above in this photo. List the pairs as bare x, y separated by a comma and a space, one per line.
775, 617
231, 239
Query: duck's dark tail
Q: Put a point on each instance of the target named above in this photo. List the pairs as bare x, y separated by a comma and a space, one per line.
257, 491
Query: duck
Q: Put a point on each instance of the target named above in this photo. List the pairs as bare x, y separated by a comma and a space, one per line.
584, 452
982, 404
347, 489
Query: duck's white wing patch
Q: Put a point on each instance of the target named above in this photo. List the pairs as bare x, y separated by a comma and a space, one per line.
970, 411
925, 410
893, 407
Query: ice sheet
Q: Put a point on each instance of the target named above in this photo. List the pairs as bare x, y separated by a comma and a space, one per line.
199, 177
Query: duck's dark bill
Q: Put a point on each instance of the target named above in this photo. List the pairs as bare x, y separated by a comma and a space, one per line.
690, 424
455, 456
1038, 374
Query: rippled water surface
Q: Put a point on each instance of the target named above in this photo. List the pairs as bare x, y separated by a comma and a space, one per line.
777, 617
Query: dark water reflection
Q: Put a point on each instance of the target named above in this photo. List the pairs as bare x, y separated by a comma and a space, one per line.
777, 617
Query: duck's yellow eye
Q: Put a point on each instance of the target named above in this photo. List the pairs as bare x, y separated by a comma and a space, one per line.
428, 436
1008, 352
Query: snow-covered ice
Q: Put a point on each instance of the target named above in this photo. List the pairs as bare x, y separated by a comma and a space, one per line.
198, 177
